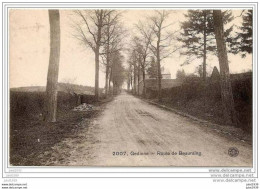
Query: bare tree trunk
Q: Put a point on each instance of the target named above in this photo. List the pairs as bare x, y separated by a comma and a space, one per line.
134, 79
53, 70
114, 86
159, 81
106, 84
128, 81
107, 52
131, 81
138, 79
144, 87
97, 64
109, 81
97, 74
226, 90
128, 84
159, 71
100, 22
205, 47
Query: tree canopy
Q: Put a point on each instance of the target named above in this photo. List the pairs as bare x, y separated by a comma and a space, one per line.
243, 41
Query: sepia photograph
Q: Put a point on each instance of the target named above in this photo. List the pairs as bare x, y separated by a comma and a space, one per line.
130, 87
129, 95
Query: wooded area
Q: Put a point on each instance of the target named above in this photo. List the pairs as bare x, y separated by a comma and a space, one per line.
203, 32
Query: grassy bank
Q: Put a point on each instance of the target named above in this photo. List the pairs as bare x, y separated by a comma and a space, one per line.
203, 100
30, 136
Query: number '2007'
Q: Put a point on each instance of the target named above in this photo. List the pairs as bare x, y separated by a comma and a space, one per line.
119, 153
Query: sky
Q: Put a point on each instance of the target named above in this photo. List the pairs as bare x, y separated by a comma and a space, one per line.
29, 49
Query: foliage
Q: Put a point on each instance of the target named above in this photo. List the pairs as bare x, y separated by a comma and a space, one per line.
199, 23
118, 76
244, 40
152, 69
180, 74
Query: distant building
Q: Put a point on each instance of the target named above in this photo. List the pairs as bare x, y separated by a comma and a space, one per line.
164, 72
151, 82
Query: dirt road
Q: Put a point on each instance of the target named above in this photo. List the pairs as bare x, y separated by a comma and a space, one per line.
131, 132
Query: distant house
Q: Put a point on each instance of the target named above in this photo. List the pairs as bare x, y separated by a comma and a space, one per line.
167, 82
164, 72
151, 82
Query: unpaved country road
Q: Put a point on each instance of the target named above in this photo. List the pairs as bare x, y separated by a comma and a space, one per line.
129, 124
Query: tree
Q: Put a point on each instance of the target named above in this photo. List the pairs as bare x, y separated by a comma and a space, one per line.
53, 70
132, 61
129, 76
226, 90
89, 32
152, 69
199, 71
142, 45
161, 44
180, 74
198, 35
244, 40
112, 35
118, 76
138, 72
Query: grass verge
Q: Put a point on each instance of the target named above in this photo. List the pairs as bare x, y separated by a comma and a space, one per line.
31, 136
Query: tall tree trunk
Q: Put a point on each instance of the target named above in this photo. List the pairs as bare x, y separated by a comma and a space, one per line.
226, 90
138, 79
107, 53
159, 70
128, 84
131, 81
97, 74
109, 82
114, 86
53, 70
128, 81
134, 79
106, 82
205, 47
159, 81
100, 23
144, 87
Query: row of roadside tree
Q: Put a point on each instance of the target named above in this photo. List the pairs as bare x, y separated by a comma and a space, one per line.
201, 33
